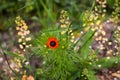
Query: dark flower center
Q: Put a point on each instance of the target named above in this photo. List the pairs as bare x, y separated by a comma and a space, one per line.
52, 43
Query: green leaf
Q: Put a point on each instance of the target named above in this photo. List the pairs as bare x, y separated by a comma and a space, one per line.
107, 63
87, 41
91, 75
16, 55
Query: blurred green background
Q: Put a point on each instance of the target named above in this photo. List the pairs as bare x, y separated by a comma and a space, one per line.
39, 11
42, 12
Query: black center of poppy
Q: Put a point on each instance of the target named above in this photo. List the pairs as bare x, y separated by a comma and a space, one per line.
52, 43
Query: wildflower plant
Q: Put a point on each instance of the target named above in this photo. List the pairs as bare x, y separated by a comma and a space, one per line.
53, 47
23, 33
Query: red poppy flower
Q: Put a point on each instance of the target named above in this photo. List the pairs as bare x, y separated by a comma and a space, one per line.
52, 43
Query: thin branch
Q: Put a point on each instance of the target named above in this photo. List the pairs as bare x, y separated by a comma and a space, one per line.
5, 56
